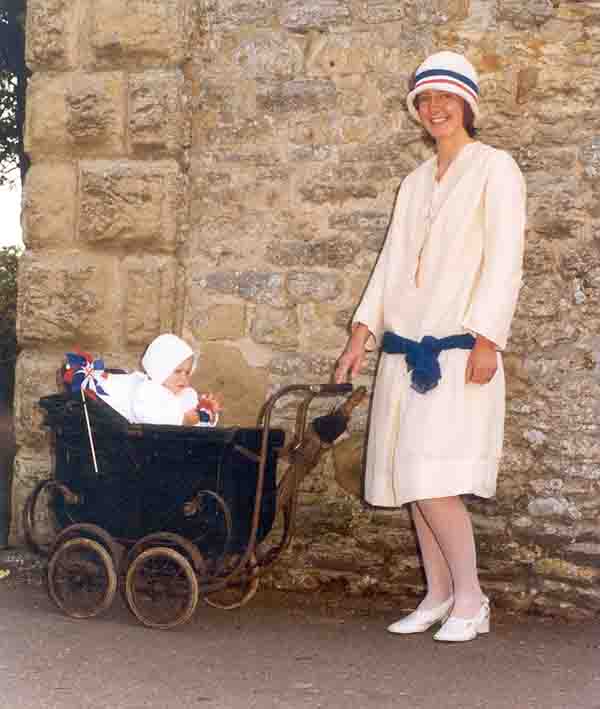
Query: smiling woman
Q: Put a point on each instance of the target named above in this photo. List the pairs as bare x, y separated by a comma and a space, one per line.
10, 216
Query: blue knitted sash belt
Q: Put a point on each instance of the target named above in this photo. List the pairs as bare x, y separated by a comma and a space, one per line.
422, 357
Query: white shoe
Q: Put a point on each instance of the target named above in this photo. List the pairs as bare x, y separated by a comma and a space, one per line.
460, 630
419, 621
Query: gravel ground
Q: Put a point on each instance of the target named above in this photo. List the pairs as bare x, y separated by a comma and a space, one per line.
279, 652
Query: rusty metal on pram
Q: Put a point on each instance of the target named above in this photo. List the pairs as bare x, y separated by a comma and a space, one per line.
170, 514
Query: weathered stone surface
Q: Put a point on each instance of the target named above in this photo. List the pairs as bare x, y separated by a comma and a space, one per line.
321, 328
300, 365
35, 377
297, 95
131, 203
244, 388
225, 321
312, 286
305, 15
233, 14
52, 34
369, 226
48, 206
150, 306
333, 253
337, 185
76, 295
83, 114
590, 157
526, 15
275, 326
151, 32
255, 286
267, 56
158, 116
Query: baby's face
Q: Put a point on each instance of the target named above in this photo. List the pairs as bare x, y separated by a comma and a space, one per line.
179, 378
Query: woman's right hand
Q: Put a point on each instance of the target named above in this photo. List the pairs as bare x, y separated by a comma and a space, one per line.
352, 359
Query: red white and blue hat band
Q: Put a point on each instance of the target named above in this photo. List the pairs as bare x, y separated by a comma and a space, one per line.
452, 78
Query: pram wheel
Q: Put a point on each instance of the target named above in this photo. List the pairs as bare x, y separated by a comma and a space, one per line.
39, 523
82, 580
161, 588
238, 590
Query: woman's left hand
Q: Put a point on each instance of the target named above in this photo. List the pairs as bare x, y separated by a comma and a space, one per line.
483, 362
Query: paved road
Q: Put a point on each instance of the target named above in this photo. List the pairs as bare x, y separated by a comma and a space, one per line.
279, 654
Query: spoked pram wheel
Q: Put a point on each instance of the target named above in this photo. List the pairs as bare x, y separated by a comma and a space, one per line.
39, 522
161, 588
82, 580
239, 590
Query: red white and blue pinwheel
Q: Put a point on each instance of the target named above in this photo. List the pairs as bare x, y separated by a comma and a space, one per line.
83, 373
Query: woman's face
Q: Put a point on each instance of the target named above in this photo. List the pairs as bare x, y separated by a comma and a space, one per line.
441, 112
179, 378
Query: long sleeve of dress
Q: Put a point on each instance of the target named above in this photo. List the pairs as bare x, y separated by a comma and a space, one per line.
495, 295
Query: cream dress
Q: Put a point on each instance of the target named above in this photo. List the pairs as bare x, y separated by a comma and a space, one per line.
469, 233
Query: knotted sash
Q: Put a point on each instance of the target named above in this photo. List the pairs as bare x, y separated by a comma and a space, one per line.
422, 357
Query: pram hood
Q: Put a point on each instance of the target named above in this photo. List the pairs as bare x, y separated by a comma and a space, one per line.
164, 354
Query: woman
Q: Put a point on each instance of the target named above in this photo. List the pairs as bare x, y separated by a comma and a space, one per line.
450, 268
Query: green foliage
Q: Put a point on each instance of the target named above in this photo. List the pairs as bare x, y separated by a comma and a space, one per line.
13, 82
9, 257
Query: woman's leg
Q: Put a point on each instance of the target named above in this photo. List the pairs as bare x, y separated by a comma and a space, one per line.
450, 524
435, 566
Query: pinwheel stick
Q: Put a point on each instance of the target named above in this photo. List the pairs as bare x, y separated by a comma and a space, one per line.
89, 430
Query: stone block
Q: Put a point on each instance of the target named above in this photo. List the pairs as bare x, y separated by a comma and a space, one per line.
52, 34
216, 321
313, 286
131, 203
331, 253
36, 375
306, 15
275, 326
320, 327
76, 294
300, 365
158, 117
225, 370
525, 15
150, 298
313, 95
233, 14
337, 185
138, 32
381, 51
74, 113
264, 56
369, 226
262, 287
49, 205
589, 154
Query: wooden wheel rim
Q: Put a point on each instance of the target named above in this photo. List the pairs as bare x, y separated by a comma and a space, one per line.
161, 577
81, 575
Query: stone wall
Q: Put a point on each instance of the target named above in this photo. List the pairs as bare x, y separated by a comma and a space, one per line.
227, 169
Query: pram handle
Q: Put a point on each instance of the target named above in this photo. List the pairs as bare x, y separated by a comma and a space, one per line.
336, 389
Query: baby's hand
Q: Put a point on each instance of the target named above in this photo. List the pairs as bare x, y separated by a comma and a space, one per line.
210, 404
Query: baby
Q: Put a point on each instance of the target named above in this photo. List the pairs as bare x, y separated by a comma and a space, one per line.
163, 395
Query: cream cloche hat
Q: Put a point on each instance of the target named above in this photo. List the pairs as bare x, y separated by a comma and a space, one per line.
446, 71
